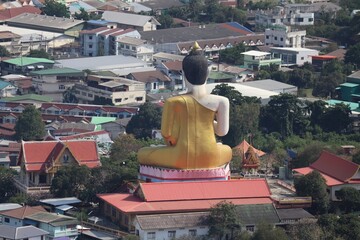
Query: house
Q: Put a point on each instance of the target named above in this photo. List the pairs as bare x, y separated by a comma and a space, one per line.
54, 82
284, 36
128, 20
154, 80
7, 39
67, 26
7, 89
107, 90
115, 128
180, 197
130, 46
173, 69
58, 226
337, 172
22, 83
15, 217
24, 65
350, 90
54, 204
320, 61
255, 59
210, 37
19, 233
161, 57
170, 226
101, 136
37, 168
75, 7
293, 56
272, 85
103, 41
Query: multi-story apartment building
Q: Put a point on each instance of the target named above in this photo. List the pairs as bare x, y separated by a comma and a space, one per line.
110, 91
130, 46
103, 41
284, 36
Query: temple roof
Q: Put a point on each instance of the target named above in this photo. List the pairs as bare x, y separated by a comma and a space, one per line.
243, 147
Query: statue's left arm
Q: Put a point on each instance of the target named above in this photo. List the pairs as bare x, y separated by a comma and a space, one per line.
221, 125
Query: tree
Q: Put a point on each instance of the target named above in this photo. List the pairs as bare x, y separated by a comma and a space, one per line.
69, 96
309, 154
266, 231
353, 55
57, 9
350, 199
4, 52
29, 125
7, 187
336, 118
223, 220
166, 21
82, 15
147, 119
232, 55
305, 230
41, 53
70, 181
313, 185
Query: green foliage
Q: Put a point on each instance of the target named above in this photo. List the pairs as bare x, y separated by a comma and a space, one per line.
264, 5
349, 4
336, 118
83, 15
4, 52
147, 119
356, 157
309, 154
348, 227
7, 187
29, 125
233, 55
57, 9
69, 96
266, 231
41, 53
352, 55
305, 230
313, 185
223, 220
165, 20
244, 114
350, 199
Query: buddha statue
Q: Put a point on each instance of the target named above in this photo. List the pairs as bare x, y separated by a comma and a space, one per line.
189, 124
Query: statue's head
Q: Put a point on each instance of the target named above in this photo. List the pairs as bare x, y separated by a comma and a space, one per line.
195, 66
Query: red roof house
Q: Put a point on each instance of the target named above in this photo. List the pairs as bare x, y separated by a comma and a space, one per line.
182, 197
338, 172
39, 161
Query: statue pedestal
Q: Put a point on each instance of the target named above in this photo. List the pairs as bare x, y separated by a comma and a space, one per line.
158, 174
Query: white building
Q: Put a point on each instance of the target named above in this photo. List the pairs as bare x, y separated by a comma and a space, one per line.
7, 89
115, 90
103, 41
282, 36
294, 56
130, 46
171, 226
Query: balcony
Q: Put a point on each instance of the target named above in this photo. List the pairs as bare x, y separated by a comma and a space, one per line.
30, 189
66, 233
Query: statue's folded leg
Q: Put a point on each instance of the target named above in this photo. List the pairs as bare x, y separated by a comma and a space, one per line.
157, 156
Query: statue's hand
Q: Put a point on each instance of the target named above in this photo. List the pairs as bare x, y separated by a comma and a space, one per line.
170, 141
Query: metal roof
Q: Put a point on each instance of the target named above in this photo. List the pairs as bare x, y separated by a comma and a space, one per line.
52, 219
293, 213
9, 206
102, 63
58, 71
10, 232
64, 207
24, 61
256, 53
268, 84
128, 18
35, 20
254, 214
60, 201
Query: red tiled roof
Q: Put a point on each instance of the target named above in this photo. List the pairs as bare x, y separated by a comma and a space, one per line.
130, 204
329, 180
323, 57
172, 191
336, 167
243, 147
173, 65
13, 12
85, 152
21, 213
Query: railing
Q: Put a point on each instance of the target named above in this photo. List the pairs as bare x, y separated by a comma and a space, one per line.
22, 187
105, 229
72, 232
286, 185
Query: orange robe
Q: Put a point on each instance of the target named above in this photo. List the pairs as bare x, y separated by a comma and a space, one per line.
188, 130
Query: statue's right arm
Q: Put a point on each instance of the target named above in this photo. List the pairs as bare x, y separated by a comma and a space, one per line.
221, 126
167, 124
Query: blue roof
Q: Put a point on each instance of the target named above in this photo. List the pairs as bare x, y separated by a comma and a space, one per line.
4, 84
239, 26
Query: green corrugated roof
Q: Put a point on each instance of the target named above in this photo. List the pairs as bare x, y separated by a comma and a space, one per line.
57, 71
101, 120
24, 61
353, 106
33, 97
4, 84
347, 84
220, 75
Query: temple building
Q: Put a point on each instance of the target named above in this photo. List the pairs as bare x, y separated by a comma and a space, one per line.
250, 157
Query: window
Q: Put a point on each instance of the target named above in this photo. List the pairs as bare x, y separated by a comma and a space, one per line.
61, 87
302, 58
118, 99
90, 45
65, 158
42, 178
133, 48
300, 20
311, 19
139, 99
171, 234
90, 37
275, 38
192, 232
267, 37
83, 93
281, 39
90, 95
7, 220
127, 47
151, 235
250, 228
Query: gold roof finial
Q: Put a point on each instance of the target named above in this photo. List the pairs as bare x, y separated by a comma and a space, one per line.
196, 47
